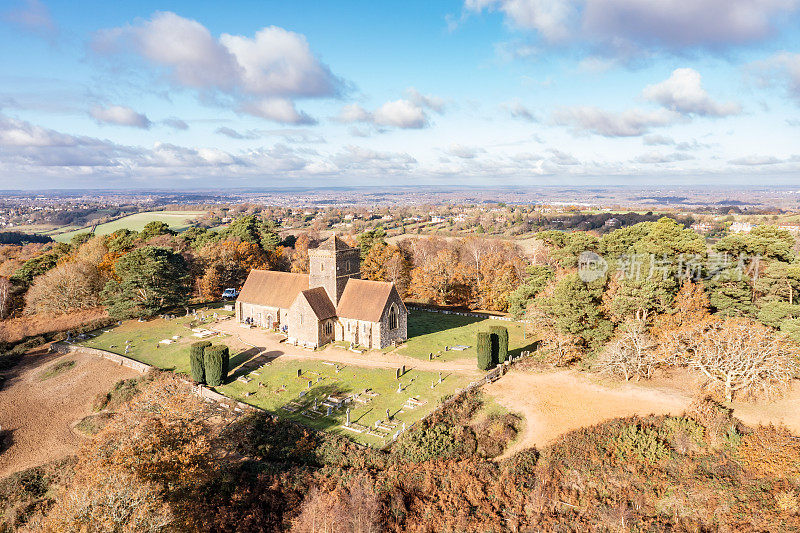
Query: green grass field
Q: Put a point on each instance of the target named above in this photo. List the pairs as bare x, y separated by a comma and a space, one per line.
176, 220
430, 332
276, 385
279, 378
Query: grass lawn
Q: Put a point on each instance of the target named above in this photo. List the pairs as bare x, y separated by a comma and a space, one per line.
145, 336
176, 220
276, 385
430, 332
281, 386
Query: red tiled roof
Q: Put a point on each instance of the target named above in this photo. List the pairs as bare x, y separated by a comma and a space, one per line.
318, 299
272, 288
365, 300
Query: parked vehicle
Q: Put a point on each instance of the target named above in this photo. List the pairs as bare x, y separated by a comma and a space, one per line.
230, 294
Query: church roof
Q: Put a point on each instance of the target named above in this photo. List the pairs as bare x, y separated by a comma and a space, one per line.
333, 243
318, 299
365, 300
272, 288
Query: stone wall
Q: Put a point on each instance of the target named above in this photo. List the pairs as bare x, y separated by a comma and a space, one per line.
116, 358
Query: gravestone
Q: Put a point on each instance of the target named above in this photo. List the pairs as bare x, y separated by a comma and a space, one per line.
347, 422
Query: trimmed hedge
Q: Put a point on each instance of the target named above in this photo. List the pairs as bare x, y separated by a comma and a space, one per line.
483, 346
499, 343
196, 363
217, 360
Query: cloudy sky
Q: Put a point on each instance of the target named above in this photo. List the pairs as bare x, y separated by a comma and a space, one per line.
274, 93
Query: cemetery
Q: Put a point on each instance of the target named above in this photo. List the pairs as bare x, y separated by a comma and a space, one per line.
449, 337
369, 405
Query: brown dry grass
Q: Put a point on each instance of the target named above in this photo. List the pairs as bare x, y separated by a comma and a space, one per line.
37, 415
16, 329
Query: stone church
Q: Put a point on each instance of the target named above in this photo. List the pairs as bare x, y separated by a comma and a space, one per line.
330, 303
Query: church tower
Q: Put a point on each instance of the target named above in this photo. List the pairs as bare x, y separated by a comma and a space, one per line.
331, 264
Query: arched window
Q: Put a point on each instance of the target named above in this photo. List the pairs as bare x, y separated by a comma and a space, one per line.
393, 317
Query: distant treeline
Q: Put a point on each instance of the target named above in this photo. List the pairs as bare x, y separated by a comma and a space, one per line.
82, 217
601, 224
17, 237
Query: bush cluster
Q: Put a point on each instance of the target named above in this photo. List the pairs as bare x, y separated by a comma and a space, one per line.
196, 362
216, 360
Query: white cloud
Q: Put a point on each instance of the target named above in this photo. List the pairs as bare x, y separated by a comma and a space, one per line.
683, 92
629, 123
756, 160
358, 158
120, 116
783, 69
464, 152
279, 62
276, 109
233, 134
660, 158
551, 18
405, 113
15, 132
623, 27
260, 75
562, 158
516, 109
401, 114
175, 123
33, 15
425, 100
354, 113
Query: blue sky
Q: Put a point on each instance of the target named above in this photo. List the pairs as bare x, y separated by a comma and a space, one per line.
496, 92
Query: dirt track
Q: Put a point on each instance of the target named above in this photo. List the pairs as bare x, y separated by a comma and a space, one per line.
38, 414
555, 403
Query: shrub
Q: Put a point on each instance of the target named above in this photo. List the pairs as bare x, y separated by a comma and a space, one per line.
484, 348
771, 451
197, 366
499, 343
216, 361
639, 442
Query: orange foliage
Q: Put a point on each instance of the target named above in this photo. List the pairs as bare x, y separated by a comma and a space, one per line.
772, 451
16, 329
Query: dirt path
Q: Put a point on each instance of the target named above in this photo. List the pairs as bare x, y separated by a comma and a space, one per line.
37, 414
555, 403
270, 343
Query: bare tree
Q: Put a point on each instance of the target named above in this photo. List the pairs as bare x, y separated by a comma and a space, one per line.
633, 354
739, 356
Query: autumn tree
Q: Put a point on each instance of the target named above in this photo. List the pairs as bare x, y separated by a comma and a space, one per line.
300, 259
140, 472
227, 264
73, 285
354, 509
